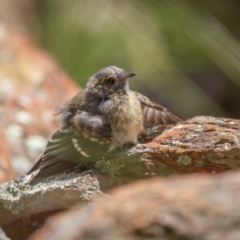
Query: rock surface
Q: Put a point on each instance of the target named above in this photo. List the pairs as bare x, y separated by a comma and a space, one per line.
197, 145
201, 144
184, 207
25, 207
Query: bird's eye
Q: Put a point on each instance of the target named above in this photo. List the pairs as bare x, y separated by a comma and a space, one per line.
110, 81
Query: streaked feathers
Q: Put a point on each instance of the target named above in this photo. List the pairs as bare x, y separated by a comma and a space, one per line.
154, 114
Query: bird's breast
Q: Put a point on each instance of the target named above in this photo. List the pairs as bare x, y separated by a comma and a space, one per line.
124, 113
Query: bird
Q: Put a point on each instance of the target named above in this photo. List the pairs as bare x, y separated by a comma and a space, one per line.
103, 117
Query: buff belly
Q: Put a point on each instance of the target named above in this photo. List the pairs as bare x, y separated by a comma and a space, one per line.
127, 122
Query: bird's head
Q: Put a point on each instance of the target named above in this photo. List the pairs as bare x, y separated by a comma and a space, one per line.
108, 81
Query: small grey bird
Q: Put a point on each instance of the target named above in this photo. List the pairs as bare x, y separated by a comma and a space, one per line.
104, 116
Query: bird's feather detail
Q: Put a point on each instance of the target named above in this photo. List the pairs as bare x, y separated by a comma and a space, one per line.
154, 114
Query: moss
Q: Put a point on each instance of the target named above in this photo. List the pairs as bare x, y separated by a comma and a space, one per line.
109, 166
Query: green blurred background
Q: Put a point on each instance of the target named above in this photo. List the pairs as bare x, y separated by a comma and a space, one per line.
186, 53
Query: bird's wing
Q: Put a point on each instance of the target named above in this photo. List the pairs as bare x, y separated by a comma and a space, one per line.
59, 155
65, 150
154, 114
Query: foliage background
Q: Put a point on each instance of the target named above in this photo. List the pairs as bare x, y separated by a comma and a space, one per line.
185, 53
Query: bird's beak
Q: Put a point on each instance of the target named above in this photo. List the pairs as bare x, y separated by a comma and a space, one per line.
127, 76
130, 74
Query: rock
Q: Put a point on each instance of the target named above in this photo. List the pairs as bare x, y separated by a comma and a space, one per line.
25, 207
198, 145
201, 144
184, 207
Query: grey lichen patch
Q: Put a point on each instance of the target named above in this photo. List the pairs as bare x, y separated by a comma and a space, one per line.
199, 128
220, 122
11, 194
109, 166
173, 128
223, 146
184, 160
18, 197
175, 142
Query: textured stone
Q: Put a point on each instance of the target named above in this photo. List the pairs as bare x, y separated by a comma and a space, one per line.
184, 207
198, 145
201, 144
26, 207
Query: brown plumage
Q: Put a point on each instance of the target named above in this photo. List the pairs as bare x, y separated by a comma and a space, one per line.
104, 116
